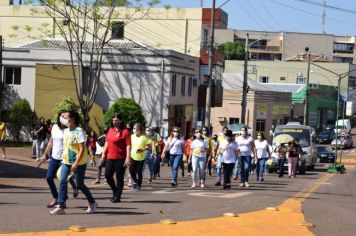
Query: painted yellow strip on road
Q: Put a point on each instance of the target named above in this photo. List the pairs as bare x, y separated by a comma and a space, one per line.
288, 220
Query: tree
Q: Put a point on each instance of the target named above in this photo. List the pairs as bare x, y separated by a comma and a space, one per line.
20, 115
86, 28
129, 110
66, 104
232, 50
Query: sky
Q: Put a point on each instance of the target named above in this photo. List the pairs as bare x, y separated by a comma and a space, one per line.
283, 15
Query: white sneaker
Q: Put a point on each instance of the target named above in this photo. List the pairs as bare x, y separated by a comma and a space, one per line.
92, 208
57, 211
202, 185
247, 184
3, 156
193, 185
37, 159
242, 185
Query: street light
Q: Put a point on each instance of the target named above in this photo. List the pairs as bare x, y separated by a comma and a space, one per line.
340, 167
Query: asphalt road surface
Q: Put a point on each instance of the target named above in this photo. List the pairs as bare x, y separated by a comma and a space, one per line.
23, 198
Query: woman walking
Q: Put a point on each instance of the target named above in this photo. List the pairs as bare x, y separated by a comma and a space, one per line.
198, 157
74, 162
247, 147
176, 147
102, 162
229, 150
293, 153
116, 150
56, 144
282, 156
263, 153
139, 143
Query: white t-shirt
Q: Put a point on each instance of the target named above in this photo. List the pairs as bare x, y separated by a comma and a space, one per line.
175, 146
57, 138
261, 149
228, 151
197, 145
245, 145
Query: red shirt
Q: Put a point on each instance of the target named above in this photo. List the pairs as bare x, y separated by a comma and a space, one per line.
117, 142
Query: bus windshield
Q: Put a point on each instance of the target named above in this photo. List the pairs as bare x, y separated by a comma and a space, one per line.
303, 135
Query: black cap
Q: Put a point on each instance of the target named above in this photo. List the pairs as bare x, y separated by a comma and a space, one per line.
228, 133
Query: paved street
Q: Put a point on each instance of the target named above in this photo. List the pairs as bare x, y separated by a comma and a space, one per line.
23, 198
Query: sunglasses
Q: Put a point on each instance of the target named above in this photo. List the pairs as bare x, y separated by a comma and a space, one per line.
175, 131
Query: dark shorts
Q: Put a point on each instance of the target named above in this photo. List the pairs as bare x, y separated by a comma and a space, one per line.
2, 143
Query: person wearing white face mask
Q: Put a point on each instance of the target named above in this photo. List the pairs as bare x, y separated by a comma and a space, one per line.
176, 147
197, 157
263, 154
150, 157
246, 147
56, 144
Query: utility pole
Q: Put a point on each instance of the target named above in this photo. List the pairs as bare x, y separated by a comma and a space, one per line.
210, 67
244, 86
323, 17
306, 100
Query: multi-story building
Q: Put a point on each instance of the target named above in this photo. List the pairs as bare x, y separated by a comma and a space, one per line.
185, 30
42, 74
284, 46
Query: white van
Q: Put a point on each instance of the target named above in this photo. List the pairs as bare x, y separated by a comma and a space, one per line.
343, 126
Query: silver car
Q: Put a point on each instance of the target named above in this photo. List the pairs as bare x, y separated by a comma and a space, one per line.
345, 142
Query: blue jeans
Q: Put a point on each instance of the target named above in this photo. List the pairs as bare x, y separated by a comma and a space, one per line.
151, 162
198, 163
245, 168
175, 160
53, 166
79, 175
281, 166
237, 168
261, 165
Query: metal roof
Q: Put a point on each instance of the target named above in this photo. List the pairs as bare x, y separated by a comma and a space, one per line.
234, 81
282, 87
51, 43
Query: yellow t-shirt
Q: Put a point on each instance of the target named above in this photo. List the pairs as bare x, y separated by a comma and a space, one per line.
138, 143
71, 141
221, 139
2, 130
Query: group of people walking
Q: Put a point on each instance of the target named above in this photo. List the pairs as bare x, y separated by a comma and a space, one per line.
123, 149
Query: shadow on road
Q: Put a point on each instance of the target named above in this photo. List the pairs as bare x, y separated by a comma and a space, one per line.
16, 170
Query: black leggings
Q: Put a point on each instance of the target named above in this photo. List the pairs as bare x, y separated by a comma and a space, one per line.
228, 168
136, 171
115, 166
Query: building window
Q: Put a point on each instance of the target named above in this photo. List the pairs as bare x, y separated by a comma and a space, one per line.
12, 75
282, 78
260, 125
343, 59
174, 85
301, 80
264, 79
233, 120
343, 47
182, 87
117, 30
190, 86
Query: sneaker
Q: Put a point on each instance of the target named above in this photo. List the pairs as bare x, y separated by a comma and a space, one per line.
97, 181
257, 179
92, 208
75, 193
149, 181
138, 188
247, 184
235, 178
193, 185
188, 174
52, 204
134, 186
57, 211
262, 179
242, 185
218, 183
38, 159
129, 185
3, 157
202, 185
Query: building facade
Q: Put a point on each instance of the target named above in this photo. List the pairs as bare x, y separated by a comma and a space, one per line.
282, 46
164, 86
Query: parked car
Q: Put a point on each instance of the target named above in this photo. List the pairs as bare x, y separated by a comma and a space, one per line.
343, 142
325, 136
325, 154
343, 126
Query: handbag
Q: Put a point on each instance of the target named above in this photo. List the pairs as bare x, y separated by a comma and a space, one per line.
167, 154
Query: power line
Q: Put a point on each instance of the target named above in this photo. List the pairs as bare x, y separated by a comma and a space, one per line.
327, 6
249, 15
258, 15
